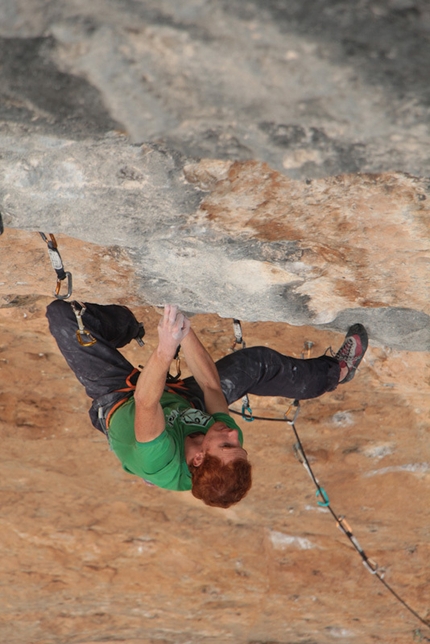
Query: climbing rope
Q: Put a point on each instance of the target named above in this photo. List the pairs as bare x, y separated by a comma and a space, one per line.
341, 523
323, 500
57, 264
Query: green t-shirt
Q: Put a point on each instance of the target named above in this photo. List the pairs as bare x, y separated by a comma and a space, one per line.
162, 460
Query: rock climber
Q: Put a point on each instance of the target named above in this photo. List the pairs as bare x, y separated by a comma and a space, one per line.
180, 435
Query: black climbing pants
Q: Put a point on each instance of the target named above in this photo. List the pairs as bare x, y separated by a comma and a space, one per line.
108, 377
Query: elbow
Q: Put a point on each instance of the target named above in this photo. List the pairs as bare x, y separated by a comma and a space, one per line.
211, 388
144, 404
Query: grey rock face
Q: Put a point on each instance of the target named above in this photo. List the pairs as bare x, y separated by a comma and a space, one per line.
35, 92
105, 190
314, 90
403, 329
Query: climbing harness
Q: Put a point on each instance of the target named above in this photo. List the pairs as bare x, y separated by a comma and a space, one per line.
323, 500
57, 264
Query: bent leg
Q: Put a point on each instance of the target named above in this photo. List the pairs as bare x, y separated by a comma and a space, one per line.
266, 372
100, 368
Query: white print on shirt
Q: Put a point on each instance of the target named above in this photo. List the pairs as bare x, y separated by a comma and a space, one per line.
195, 417
171, 417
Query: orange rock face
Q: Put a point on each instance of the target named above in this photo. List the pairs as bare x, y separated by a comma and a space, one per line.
89, 553
364, 239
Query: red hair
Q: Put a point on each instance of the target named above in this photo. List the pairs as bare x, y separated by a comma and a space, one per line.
221, 485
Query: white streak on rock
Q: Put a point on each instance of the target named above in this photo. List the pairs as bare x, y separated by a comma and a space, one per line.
280, 541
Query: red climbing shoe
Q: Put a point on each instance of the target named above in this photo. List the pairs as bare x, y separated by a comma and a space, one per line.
352, 350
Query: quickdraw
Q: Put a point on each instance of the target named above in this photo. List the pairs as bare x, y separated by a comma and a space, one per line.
57, 264
85, 338
238, 336
307, 347
246, 409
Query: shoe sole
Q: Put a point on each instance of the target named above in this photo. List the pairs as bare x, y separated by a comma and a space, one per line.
356, 329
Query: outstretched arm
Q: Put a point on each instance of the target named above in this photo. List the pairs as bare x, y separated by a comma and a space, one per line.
149, 418
205, 372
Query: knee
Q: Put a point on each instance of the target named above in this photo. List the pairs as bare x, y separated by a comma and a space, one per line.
58, 311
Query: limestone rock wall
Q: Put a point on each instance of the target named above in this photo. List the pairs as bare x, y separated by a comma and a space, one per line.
237, 238
91, 554
313, 90
106, 109
256, 159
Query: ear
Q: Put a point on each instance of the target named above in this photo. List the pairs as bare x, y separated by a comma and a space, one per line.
198, 458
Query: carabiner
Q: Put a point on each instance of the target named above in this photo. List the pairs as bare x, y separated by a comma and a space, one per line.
85, 343
295, 406
238, 336
373, 567
178, 367
321, 492
81, 332
248, 409
68, 275
307, 346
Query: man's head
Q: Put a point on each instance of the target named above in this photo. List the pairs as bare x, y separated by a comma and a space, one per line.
221, 473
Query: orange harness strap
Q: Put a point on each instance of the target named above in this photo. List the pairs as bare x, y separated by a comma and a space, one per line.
172, 387
128, 382
180, 389
114, 408
130, 387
